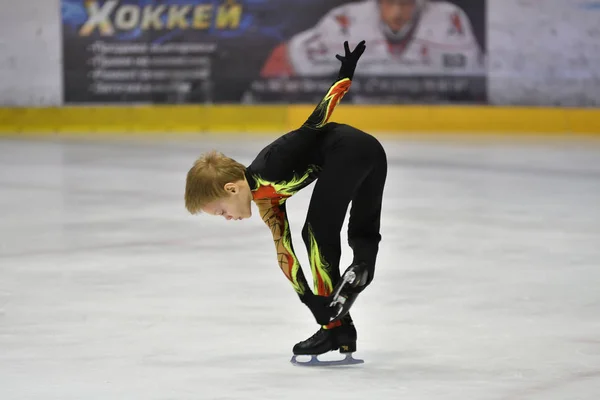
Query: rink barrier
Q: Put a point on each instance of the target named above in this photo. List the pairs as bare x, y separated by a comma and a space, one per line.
281, 118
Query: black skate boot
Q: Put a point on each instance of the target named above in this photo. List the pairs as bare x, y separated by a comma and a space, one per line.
342, 337
319, 343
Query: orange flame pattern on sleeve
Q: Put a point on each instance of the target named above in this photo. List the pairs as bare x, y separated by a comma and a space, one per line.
332, 98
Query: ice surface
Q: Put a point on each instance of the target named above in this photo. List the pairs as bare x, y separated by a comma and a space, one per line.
487, 285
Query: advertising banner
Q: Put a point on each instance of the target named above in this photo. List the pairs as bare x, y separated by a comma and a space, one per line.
271, 51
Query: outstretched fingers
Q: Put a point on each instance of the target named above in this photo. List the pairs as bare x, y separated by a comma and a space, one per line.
360, 48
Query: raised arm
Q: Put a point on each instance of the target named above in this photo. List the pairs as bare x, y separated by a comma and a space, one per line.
320, 116
287, 148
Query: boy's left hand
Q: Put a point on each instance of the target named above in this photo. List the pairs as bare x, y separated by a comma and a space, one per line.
350, 59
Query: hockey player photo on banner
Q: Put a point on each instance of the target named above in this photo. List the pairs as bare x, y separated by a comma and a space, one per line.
417, 51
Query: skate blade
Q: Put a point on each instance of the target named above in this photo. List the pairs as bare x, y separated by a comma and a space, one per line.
315, 362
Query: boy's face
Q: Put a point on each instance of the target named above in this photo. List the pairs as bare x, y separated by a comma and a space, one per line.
235, 206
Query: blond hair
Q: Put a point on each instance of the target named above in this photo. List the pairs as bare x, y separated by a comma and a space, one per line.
207, 178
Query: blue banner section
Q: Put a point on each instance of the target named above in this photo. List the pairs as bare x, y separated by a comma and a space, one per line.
271, 51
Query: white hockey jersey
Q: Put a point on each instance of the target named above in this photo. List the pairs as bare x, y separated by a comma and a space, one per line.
442, 43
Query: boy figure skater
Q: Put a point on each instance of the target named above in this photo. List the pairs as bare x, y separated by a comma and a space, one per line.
349, 166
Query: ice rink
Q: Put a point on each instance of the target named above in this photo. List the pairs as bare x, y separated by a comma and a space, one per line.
487, 284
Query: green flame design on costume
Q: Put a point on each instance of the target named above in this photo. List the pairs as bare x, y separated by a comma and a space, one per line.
318, 263
288, 188
287, 244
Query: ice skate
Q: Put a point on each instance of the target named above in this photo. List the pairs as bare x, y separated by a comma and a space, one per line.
342, 338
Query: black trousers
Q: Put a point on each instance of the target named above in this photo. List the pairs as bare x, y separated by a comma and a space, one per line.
354, 172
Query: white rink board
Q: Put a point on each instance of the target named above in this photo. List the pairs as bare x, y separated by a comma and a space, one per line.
486, 287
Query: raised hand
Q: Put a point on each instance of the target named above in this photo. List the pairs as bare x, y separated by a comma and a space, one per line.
350, 59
